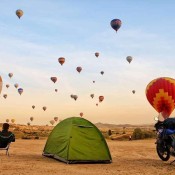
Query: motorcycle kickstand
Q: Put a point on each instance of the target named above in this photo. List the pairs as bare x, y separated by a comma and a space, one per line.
172, 162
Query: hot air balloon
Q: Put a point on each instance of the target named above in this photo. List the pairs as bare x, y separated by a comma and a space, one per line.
28, 123
61, 60
81, 114
101, 98
79, 69
16, 85
10, 75
20, 91
33, 106
92, 95
7, 120
72, 96
75, 97
19, 13
52, 122
5, 96
133, 91
56, 90
102, 72
129, 58
13, 120
44, 108
0, 84
7, 85
97, 54
56, 119
54, 79
31, 119
96, 104
93, 81
160, 93
116, 24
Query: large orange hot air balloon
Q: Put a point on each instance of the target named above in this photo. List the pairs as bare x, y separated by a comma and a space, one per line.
160, 93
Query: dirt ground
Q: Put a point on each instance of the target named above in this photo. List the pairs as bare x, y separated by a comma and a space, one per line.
129, 157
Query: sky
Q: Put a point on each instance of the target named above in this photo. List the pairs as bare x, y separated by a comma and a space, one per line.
30, 48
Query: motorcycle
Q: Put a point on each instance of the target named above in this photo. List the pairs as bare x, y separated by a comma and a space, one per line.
165, 141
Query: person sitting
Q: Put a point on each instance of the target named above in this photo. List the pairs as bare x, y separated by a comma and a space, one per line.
6, 136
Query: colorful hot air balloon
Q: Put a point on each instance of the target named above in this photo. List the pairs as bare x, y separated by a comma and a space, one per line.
97, 54
20, 91
160, 93
52, 122
5, 96
79, 69
33, 106
56, 119
10, 75
19, 13
61, 60
81, 114
54, 79
7, 120
92, 95
31, 119
129, 59
7, 85
116, 24
16, 85
0, 84
102, 72
44, 108
133, 91
13, 120
101, 98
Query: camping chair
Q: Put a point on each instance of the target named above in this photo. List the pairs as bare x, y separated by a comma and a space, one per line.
5, 143
6, 148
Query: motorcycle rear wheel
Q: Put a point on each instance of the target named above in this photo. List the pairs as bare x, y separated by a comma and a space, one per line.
163, 152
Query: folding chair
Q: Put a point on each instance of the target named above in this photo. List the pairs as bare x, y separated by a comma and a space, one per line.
7, 149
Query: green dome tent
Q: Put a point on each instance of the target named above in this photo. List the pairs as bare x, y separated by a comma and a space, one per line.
76, 140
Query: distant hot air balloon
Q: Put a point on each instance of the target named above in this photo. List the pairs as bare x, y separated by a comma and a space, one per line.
28, 123
79, 69
19, 13
7, 120
31, 119
72, 96
33, 106
13, 120
92, 95
116, 24
20, 91
44, 108
129, 59
56, 119
61, 60
102, 72
97, 54
7, 85
52, 122
96, 104
81, 114
5, 96
93, 81
16, 85
10, 75
160, 93
0, 84
133, 91
56, 90
75, 97
54, 79
101, 98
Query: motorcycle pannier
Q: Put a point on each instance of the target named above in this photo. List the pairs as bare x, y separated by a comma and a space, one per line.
169, 123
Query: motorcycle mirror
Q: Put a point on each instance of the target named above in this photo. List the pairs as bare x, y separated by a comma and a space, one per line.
156, 118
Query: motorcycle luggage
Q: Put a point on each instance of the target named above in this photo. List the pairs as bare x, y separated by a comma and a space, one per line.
169, 123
